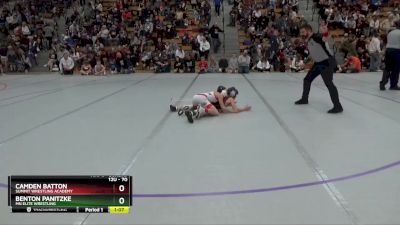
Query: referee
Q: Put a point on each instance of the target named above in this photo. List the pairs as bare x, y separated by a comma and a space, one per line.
324, 64
392, 60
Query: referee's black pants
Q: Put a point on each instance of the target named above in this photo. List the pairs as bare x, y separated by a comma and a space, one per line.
326, 70
392, 67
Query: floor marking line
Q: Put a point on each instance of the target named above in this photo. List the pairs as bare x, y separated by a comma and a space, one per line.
74, 110
312, 164
44, 94
267, 189
155, 130
147, 140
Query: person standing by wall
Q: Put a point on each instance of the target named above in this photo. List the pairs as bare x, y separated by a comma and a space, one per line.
214, 33
374, 49
217, 5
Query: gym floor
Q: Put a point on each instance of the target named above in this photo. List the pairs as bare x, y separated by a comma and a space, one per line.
277, 164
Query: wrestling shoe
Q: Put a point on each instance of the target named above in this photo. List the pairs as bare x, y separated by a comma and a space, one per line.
181, 111
189, 116
172, 108
301, 102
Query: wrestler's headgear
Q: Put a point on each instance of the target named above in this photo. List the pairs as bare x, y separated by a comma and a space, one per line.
232, 92
220, 88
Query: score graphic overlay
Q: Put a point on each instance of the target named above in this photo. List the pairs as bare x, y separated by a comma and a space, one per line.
70, 194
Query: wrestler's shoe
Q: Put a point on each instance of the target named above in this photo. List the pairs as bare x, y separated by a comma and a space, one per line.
186, 108
173, 108
189, 115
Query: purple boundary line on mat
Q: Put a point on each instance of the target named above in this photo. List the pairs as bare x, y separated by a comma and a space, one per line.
251, 191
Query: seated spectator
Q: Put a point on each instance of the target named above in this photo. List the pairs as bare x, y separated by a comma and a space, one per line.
4, 58
186, 39
213, 66
104, 35
190, 64
281, 60
203, 65
263, 65
52, 63
178, 65
348, 47
12, 59
233, 66
24, 64
223, 65
99, 69
67, 64
170, 32
86, 68
25, 29
119, 62
204, 48
374, 24
365, 58
162, 65
77, 57
179, 53
1, 69
297, 64
352, 65
244, 62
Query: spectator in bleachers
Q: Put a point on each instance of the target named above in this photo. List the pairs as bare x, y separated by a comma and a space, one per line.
351, 65
374, 49
233, 14
203, 65
12, 59
99, 69
49, 34
217, 6
190, 64
162, 65
223, 65
179, 65
348, 45
180, 53
263, 65
214, 33
67, 64
233, 64
52, 63
204, 48
374, 24
297, 64
213, 66
86, 68
25, 29
244, 62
